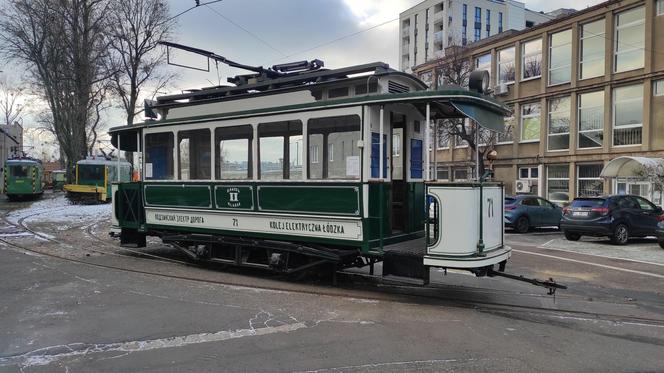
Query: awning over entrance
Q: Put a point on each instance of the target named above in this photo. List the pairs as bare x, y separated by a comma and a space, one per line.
632, 167
487, 119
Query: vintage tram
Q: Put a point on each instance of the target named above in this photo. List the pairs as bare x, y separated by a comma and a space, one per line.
293, 168
23, 178
93, 179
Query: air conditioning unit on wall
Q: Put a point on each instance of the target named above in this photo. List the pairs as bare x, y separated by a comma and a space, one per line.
522, 186
501, 89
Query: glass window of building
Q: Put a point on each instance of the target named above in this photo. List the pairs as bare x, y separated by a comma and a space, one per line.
627, 115
557, 184
460, 174
560, 57
589, 184
629, 39
530, 122
531, 59
484, 63
500, 22
591, 49
337, 137
591, 119
507, 136
559, 123
234, 152
280, 150
442, 173
194, 155
159, 156
506, 67
658, 88
488, 22
477, 35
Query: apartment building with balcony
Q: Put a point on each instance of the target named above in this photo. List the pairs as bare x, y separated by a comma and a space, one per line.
429, 27
587, 91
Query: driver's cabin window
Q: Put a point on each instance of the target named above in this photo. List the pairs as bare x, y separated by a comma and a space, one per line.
194, 154
337, 137
159, 156
234, 152
280, 150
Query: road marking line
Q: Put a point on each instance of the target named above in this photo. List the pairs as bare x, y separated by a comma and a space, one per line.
592, 264
600, 256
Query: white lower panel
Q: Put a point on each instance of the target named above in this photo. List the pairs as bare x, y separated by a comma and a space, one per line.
340, 229
493, 257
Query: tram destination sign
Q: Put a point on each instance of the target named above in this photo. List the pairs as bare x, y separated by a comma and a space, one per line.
332, 228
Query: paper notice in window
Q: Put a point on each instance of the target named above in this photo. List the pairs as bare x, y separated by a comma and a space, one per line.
148, 170
353, 166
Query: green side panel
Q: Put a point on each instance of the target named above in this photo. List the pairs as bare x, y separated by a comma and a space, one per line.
178, 195
379, 193
311, 199
234, 197
416, 203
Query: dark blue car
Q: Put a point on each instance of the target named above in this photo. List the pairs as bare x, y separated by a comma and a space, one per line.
660, 234
523, 212
617, 217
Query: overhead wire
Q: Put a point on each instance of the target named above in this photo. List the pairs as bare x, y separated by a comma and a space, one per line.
193, 7
245, 30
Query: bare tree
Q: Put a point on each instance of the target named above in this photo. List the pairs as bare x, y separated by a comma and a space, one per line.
137, 28
454, 70
64, 46
11, 107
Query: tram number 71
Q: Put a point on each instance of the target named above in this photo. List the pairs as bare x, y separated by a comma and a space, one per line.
235, 222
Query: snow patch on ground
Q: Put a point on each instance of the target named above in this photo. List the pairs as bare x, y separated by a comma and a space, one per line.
60, 210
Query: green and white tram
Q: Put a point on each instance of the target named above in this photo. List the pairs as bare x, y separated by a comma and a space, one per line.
292, 169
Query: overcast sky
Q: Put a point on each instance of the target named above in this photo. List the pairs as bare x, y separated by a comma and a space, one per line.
268, 32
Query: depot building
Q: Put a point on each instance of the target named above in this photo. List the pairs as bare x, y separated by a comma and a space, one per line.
587, 94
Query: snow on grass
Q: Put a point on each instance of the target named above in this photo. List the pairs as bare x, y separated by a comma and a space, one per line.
59, 210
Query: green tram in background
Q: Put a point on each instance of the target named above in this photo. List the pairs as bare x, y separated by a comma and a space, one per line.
23, 178
94, 176
297, 167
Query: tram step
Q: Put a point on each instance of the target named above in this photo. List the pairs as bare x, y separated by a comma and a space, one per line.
404, 264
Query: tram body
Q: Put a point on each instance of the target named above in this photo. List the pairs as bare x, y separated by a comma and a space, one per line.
23, 178
94, 176
326, 167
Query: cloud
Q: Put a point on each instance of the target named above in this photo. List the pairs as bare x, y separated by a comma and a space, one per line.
374, 12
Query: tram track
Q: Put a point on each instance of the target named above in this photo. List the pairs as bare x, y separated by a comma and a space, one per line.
385, 291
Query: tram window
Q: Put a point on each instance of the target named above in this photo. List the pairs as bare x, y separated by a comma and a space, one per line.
159, 156
194, 154
361, 89
337, 92
19, 171
337, 137
279, 142
234, 155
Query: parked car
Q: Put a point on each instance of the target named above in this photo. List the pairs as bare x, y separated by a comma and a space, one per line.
523, 212
617, 217
660, 234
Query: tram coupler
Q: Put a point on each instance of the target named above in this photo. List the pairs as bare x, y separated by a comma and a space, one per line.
551, 285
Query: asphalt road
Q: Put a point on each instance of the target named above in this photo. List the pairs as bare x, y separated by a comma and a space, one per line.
63, 316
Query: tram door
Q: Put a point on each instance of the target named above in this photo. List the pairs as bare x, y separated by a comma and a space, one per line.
399, 189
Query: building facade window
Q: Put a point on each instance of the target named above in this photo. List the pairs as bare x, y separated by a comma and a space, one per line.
591, 120
314, 151
557, 184
442, 173
500, 22
559, 123
488, 23
478, 15
484, 63
530, 122
460, 174
629, 40
507, 137
478, 34
589, 183
464, 25
560, 57
627, 115
660, 7
531, 59
658, 87
591, 49
506, 68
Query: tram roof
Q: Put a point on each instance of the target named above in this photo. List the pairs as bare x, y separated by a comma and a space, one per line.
104, 162
24, 161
